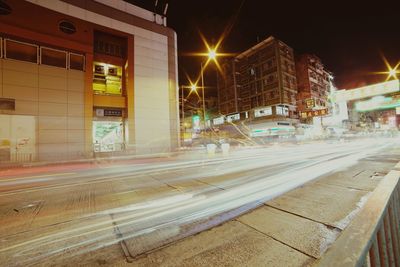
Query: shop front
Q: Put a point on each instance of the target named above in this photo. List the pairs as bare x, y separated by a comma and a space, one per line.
108, 131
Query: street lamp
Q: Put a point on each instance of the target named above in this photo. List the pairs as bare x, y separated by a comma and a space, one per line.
211, 56
193, 88
391, 71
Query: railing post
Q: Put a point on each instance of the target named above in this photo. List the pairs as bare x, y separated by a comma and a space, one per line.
394, 233
389, 239
382, 247
374, 254
373, 234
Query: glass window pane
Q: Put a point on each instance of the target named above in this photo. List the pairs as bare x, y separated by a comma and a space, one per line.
53, 57
21, 51
76, 62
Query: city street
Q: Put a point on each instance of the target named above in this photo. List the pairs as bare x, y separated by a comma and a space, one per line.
71, 213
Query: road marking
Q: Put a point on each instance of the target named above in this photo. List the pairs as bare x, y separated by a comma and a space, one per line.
32, 177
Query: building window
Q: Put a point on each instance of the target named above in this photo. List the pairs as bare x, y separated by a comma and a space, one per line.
107, 79
76, 62
108, 44
20, 51
4, 8
53, 57
271, 78
7, 104
67, 27
284, 111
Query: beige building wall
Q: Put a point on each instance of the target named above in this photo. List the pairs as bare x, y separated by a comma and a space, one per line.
156, 123
54, 97
152, 116
156, 119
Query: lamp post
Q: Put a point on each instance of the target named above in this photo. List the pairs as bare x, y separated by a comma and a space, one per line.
183, 116
211, 55
203, 93
193, 88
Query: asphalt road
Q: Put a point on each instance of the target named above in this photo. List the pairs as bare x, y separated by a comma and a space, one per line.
70, 212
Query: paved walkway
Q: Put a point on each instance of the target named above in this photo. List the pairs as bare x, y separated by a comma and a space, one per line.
96, 217
292, 230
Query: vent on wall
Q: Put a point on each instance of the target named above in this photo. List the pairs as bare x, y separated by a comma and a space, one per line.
7, 104
66, 27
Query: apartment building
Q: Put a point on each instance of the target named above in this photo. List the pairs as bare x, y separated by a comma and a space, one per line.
313, 83
260, 83
85, 78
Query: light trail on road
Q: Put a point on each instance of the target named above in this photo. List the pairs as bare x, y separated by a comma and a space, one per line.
153, 203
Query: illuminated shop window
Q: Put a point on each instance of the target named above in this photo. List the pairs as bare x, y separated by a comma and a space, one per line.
107, 79
53, 57
76, 62
108, 136
20, 51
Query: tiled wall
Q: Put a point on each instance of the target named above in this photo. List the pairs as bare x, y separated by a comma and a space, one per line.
152, 115
54, 96
155, 75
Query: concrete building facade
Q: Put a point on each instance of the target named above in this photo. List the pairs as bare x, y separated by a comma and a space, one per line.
260, 82
313, 83
84, 78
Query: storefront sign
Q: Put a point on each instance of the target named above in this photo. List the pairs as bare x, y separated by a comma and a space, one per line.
234, 117
282, 111
218, 121
310, 103
100, 112
263, 112
113, 112
196, 122
313, 113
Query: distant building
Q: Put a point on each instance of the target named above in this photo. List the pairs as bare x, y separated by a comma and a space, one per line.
86, 77
260, 82
313, 83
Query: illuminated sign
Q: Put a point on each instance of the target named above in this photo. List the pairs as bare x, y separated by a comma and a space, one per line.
233, 117
263, 112
272, 131
218, 121
282, 111
196, 122
313, 113
376, 103
113, 112
310, 103
100, 112
368, 91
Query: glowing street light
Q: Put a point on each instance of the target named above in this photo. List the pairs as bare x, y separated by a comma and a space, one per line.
212, 54
391, 72
193, 89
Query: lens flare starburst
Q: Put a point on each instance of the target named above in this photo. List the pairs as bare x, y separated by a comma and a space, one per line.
391, 72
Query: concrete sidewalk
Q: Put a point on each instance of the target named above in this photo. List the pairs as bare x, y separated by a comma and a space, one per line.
294, 229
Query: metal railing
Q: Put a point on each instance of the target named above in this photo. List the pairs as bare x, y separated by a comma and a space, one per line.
373, 237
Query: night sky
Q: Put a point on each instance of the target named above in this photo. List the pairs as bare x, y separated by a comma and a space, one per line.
349, 38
